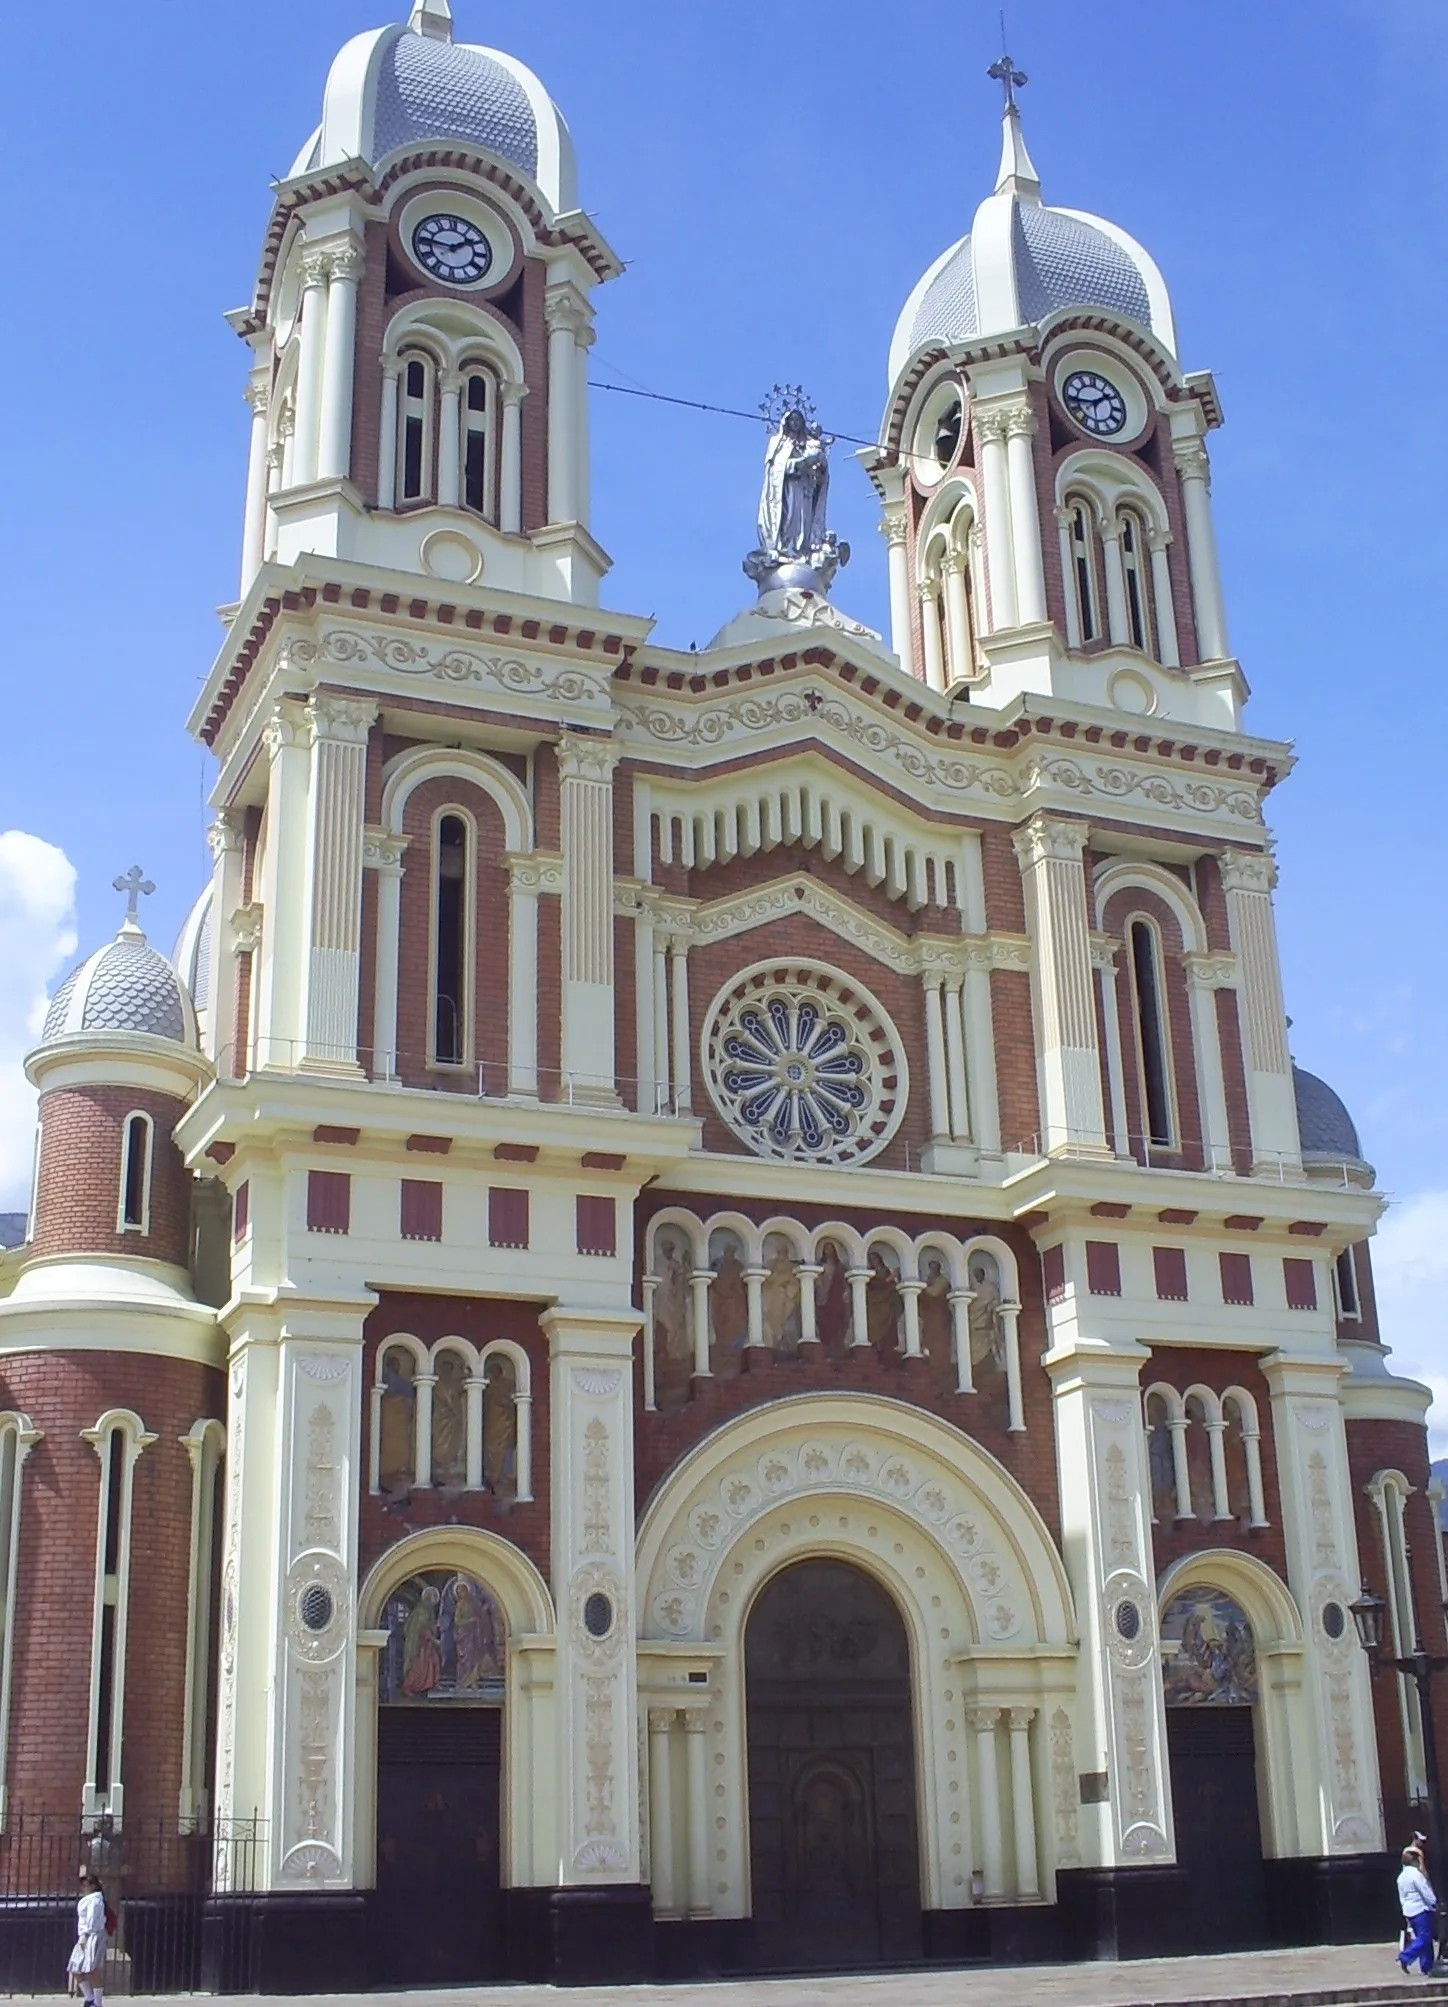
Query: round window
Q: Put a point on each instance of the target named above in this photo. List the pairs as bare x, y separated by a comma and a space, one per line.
1128, 1622
598, 1615
1334, 1619
804, 1066
939, 432
317, 1607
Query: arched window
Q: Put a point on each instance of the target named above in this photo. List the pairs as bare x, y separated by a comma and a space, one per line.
1135, 565
1148, 997
1081, 542
205, 1444
17, 1437
1344, 1282
415, 428
958, 599
478, 398
1390, 1491
135, 1199
118, 1438
450, 940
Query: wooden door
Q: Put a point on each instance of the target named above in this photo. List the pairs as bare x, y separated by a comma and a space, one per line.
1218, 1830
834, 1867
436, 1919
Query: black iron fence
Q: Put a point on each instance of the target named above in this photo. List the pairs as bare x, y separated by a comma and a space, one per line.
179, 1901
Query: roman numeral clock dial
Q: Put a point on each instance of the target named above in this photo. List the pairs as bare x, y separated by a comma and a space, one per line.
452, 249
1096, 404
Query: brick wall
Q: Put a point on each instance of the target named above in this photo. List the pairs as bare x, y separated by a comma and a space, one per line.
661, 1440
479, 1320
78, 1194
63, 1393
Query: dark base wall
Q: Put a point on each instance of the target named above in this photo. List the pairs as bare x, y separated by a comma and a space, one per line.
300, 1943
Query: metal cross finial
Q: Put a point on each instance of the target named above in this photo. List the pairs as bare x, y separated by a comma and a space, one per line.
1009, 78
133, 883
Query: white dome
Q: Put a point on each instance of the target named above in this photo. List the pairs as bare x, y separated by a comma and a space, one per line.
397, 87
124, 986
1022, 262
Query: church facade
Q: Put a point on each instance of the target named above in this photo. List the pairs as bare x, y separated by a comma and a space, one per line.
703, 1326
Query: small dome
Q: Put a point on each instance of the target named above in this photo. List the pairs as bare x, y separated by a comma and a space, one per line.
124, 986
1021, 262
397, 87
1323, 1123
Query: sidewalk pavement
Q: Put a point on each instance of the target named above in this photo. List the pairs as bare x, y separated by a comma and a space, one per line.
1306, 1978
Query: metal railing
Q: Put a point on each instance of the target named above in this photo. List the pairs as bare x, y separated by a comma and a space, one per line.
179, 1928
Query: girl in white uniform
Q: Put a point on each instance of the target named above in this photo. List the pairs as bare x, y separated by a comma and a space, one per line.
89, 1956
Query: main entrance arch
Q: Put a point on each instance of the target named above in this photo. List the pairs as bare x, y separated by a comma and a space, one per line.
831, 1768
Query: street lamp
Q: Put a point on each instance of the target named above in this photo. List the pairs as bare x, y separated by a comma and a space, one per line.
1368, 1613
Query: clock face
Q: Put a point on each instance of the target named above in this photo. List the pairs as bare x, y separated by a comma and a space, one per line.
1096, 405
452, 249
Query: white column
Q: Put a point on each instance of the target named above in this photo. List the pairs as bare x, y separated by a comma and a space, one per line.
563, 314
651, 1285
1248, 878
910, 1298
523, 1445
253, 535
387, 436
667, 1078
930, 635
897, 554
647, 1098
595, 1738
992, 1841
474, 1389
1216, 1433
1010, 1314
1180, 1469
996, 482
423, 1385
1068, 575
1168, 648
1116, 623
280, 983
382, 852
682, 1068
754, 1306
315, 268
449, 439
581, 482
1067, 1056
661, 1811
1023, 1805
976, 1008
1196, 480
960, 1302
340, 727
1204, 974
858, 1279
809, 1273
1252, 1450
525, 880
700, 1281
276, 455
955, 1061
935, 1062
228, 853
334, 456
959, 646
696, 1756
510, 512
585, 767
1025, 516
1111, 978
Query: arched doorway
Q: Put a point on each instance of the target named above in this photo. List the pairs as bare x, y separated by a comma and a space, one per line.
1209, 1667
437, 1917
834, 1857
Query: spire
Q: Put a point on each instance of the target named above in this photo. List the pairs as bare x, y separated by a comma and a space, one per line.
1018, 174
432, 18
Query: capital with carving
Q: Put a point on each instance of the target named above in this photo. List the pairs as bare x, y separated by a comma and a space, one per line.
694, 1722
983, 1719
287, 727
894, 528
1021, 1718
382, 852
1191, 460
534, 871
1020, 422
955, 564
995, 424
1211, 971
1104, 949
581, 758
342, 720
1050, 839
225, 834
345, 264
1247, 870
316, 268
661, 1720
391, 368
246, 929
258, 394
1157, 539
513, 393
566, 308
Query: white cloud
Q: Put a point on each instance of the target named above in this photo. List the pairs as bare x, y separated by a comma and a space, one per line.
37, 937
1410, 1268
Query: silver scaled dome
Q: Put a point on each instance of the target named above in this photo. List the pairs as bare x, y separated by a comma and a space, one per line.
1328, 1133
123, 987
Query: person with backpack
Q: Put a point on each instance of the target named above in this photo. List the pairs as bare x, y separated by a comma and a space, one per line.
1419, 1906
92, 1924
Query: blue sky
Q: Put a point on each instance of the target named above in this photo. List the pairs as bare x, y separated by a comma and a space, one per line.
777, 177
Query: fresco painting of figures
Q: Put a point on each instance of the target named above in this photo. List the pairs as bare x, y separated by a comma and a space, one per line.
1208, 1652
446, 1640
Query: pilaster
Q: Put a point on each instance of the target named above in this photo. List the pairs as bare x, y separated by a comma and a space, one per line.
585, 768
1248, 877
336, 801
1068, 1061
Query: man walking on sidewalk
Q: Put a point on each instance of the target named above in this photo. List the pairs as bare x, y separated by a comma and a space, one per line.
1419, 1906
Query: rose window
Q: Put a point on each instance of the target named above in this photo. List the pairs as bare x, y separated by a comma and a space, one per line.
803, 1065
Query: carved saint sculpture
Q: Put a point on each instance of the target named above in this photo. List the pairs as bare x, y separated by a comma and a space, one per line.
797, 551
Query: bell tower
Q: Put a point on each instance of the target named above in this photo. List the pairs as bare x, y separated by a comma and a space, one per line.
420, 327
1044, 471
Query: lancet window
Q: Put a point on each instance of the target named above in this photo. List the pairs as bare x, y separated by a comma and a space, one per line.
137, 1139
1084, 566
1148, 997
451, 939
1135, 579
